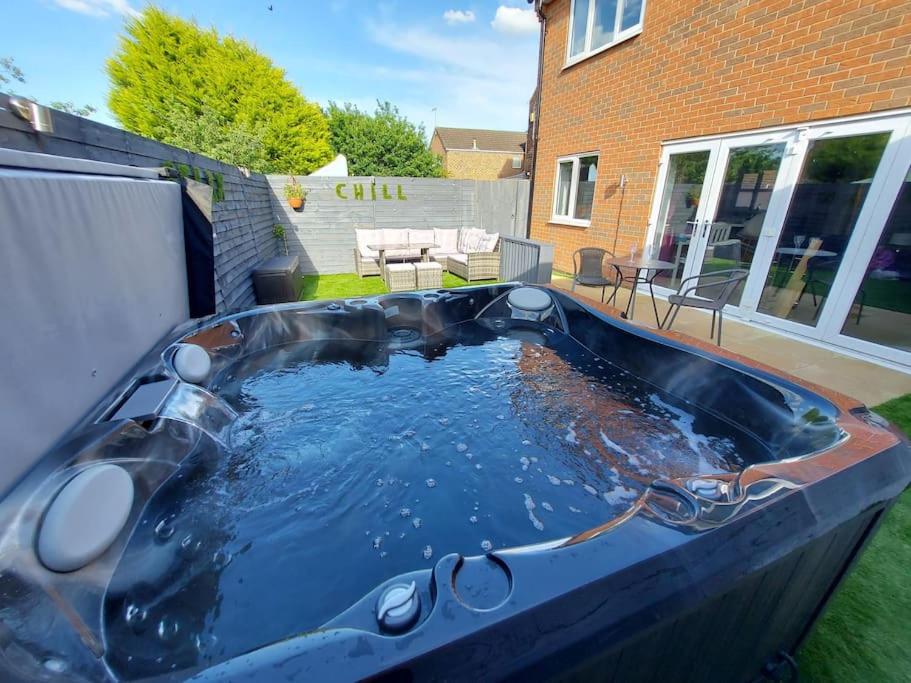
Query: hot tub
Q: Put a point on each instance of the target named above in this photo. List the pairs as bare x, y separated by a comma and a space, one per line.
487, 483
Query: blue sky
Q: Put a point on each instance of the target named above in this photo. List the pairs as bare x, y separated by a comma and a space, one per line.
475, 62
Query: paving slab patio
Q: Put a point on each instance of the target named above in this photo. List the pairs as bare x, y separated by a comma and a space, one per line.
865, 381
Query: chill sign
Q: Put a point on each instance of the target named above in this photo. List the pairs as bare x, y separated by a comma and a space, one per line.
359, 191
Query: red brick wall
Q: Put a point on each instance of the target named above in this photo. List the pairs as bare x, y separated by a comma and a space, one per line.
703, 67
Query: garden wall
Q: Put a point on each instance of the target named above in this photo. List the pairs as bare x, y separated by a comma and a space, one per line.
242, 219
322, 232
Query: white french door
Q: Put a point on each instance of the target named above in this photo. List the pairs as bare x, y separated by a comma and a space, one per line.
820, 216
678, 210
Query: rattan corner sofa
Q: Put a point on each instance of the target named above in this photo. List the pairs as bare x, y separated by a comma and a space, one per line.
470, 253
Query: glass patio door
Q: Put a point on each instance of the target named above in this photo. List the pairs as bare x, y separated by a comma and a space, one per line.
871, 302
744, 202
803, 267
684, 179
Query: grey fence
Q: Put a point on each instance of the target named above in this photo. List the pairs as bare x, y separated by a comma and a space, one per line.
322, 233
242, 220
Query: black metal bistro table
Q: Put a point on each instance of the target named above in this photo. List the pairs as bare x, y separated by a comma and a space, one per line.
639, 264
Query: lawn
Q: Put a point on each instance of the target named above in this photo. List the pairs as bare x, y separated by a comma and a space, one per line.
348, 285
865, 635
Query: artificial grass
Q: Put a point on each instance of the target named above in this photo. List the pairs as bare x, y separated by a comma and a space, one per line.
348, 285
865, 635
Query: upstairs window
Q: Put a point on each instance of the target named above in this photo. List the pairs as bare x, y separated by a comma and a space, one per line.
575, 189
598, 24
517, 162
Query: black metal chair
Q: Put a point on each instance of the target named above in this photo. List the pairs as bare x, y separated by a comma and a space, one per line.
588, 270
711, 291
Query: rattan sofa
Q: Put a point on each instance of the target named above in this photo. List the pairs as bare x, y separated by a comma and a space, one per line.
470, 253
475, 266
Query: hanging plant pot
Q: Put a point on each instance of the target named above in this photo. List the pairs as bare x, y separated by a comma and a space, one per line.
295, 194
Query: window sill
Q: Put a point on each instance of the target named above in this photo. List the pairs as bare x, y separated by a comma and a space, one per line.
588, 55
569, 222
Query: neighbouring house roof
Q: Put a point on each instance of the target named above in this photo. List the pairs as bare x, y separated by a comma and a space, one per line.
486, 140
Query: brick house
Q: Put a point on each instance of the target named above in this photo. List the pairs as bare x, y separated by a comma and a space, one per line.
480, 154
772, 136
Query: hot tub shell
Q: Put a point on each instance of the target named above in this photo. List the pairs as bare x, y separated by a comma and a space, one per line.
706, 578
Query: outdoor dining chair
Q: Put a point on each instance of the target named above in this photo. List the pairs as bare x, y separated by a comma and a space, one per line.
710, 291
588, 270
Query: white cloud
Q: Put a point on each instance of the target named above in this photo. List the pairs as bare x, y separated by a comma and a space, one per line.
99, 8
454, 74
457, 16
515, 20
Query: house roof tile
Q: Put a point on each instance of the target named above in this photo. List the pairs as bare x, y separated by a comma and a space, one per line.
488, 140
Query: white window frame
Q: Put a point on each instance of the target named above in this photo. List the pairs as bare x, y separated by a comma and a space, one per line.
517, 161
573, 188
619, 36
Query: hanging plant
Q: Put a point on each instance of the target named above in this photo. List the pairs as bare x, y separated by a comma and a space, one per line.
295, 193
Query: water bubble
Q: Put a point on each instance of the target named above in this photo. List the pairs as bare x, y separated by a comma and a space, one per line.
168, 629
572, 509
461, 447
431, 483
377, 542
189, 546
526, 442
473, 519
408, 433
553, 480
405, 513
518, 480
478, 466
425, 446
165, 528
532, 517
221, 559
501, 417
307, 407
569, 482
590, 489
54, 665
547, 506
137, 618
417, 522
443, 421
427, 552
525, 463
469, 456
379, 482
383, 553
486, 545
204, 641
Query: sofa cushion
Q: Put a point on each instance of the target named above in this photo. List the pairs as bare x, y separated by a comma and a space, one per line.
420, 236
446, 239
461, 258
462, 244
472, 242
442, 256
489, 242
363, 238
394, 235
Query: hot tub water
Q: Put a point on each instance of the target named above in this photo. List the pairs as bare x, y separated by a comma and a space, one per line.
349, 464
